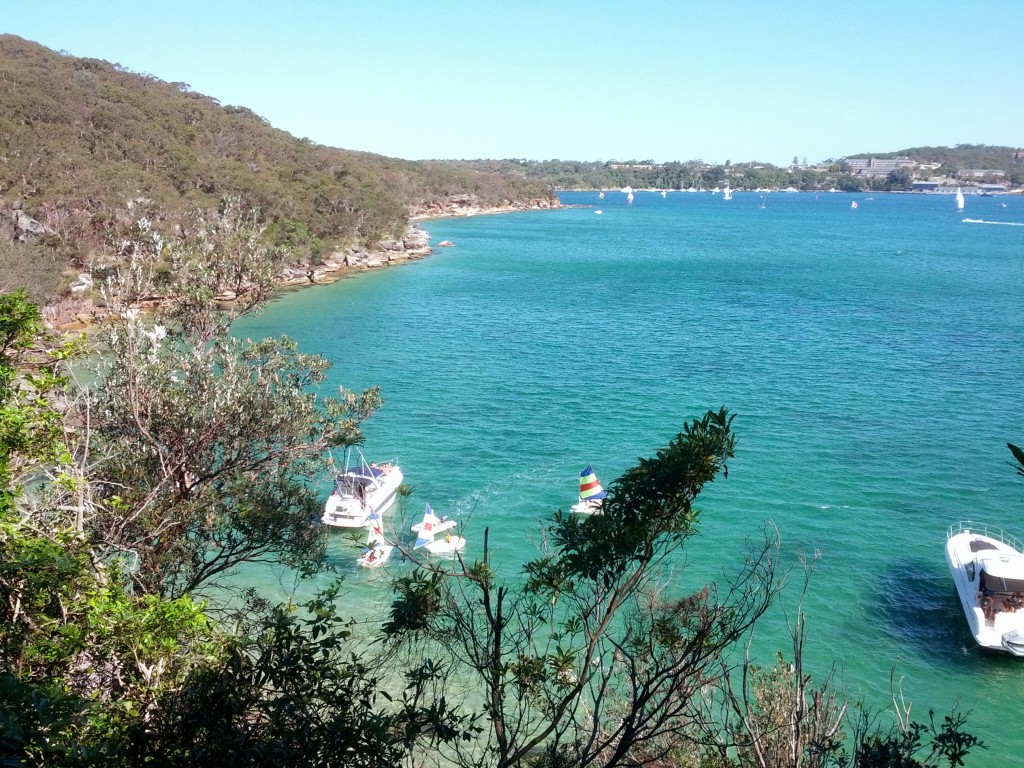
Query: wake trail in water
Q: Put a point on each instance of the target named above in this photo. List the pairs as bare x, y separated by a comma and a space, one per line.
1004, 223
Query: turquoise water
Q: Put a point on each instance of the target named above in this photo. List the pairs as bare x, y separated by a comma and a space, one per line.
873, 358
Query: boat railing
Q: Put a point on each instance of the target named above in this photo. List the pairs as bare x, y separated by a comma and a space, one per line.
984, 529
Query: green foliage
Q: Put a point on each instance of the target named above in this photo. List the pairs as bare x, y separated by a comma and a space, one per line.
919, 745
30, 428
651, 505
592, 659
42, 725
294, 694
206, 448
86, 144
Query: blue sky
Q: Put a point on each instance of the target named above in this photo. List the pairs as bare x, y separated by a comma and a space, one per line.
575, 80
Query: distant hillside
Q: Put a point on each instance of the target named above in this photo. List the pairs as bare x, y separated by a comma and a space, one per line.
696, 174
80, 138
960, 157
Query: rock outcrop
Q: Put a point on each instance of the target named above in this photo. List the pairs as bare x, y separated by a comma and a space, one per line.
470, 205
413, 244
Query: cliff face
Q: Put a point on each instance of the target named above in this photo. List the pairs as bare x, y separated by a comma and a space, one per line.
87, 146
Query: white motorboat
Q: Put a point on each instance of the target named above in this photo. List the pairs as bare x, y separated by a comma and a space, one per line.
592, 494
449, 545
377, 548
987, 565
360, 489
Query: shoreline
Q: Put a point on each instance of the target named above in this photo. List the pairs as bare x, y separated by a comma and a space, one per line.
69, 315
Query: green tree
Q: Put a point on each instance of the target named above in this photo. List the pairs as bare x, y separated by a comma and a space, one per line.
292, 692
595, 659
198, 451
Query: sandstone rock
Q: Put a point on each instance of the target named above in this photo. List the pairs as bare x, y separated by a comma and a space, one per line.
27, 226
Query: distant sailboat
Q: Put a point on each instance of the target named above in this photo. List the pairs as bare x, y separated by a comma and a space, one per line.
663, 193
727, 194
853, 204
629, 198
592, 494
959, 199
600, 195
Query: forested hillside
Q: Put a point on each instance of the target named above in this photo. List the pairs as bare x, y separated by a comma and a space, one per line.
86, 146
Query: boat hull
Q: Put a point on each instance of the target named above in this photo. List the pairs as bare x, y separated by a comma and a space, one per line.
383, 552
446, 546
586, 508
350, 511
987, 567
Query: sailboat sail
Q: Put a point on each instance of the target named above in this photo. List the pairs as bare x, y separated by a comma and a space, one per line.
727, 195
959, 199
426, 532
590, 486
376, 526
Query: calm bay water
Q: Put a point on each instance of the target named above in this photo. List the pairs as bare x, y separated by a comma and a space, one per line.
873, 358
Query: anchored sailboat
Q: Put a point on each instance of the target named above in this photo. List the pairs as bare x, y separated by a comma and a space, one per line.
377, 549
959, 199
592, 494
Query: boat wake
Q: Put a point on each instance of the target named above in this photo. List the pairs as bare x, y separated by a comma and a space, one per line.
1004, 223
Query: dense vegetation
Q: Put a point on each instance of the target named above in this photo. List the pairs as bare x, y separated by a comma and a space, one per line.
87, 147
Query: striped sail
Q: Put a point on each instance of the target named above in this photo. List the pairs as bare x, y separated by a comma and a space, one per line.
426, 534
376, 525
590, 486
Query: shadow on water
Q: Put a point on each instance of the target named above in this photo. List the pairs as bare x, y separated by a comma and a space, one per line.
920, 611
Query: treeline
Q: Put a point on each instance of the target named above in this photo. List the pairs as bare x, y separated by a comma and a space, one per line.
1010, 160
696, 174
87, 147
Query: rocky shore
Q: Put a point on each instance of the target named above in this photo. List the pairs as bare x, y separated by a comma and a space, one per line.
78, 311
413, 244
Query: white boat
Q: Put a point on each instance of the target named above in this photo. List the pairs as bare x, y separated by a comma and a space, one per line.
600, 195
359, 490
629, 198
664, 193
727, 194
987, 565
592, 494
377, 548
449, 545
959, 199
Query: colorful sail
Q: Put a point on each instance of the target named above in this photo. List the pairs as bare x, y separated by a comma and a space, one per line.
590, 486
427, 528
